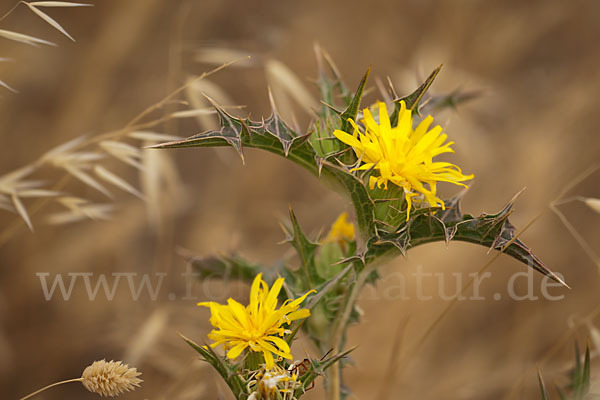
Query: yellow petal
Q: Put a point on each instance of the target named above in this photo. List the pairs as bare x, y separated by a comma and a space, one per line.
369, 121
282, 344
254, 292
236, 350
268, 359
239, 312
301, 299
299, 314
271, 302
384, 118
346, 138
269, 347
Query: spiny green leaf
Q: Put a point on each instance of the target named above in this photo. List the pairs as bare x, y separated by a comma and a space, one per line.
233, 130
276, 127
306, 251
226, 267
275, 136
332, 88
450, 100
226, 370
329, 86
413, 99
272, 134
317, 368
352, 110
323, 140
493, 231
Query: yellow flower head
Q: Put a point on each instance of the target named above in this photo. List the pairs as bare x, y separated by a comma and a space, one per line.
257, 327
341, 230
403, 155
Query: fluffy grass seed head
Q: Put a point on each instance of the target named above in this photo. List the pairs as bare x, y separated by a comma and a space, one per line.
402, 155
259, 327
110, 378
341, 231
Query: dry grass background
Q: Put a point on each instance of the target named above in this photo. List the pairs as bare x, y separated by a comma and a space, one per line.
535, 127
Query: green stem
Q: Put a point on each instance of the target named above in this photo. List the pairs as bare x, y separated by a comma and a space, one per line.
334, 375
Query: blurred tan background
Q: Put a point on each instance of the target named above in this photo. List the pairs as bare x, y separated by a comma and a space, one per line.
535, 127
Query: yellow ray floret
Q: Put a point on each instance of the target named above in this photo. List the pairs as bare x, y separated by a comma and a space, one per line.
341, 230
257, 327
403, 155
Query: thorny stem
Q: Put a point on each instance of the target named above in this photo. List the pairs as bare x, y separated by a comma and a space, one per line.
334, 376
50, 386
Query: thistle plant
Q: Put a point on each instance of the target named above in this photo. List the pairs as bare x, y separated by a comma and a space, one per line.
388, 160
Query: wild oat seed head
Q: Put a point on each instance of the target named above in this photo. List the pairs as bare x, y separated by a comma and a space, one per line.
110, 378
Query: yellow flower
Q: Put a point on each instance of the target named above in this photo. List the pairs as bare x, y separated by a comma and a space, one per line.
341, 230
257, 327
403, 155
